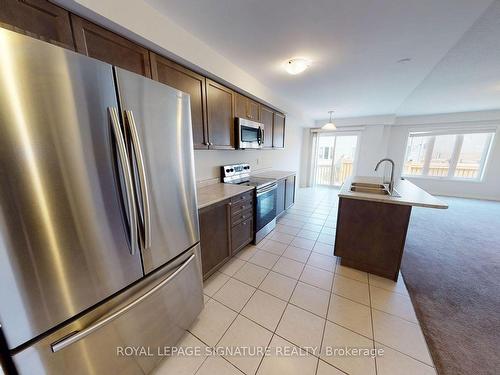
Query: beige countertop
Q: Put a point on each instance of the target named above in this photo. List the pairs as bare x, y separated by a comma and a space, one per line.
210, 194
410, 194
275, 174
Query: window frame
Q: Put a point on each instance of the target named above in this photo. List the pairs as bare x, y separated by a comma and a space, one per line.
457, 148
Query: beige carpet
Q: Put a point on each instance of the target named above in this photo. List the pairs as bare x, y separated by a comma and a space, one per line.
451, 267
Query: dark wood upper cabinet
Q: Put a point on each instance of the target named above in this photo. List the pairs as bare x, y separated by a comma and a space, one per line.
215, 236
39, 19
213, 106
279, 130
253, 112
97, 42
220, 115
246, 108
240, 106
267, 118
180, 78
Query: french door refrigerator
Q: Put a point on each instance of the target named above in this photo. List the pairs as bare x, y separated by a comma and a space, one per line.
99, 238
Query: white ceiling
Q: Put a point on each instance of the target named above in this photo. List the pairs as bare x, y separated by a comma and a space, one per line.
468, 77
355, 46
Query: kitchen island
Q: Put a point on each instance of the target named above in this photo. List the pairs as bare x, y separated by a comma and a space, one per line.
372, 223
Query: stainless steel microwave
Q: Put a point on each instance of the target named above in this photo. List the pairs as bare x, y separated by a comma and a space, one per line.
248, 134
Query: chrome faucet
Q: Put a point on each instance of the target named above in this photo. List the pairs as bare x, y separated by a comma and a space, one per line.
391, 183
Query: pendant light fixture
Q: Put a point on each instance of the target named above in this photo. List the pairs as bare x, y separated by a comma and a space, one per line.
330, 125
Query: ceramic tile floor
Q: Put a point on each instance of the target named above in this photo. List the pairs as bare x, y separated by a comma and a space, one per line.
290, 292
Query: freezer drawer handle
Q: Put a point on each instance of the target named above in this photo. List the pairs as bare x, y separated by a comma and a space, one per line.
142, 178
127, 175
78, 335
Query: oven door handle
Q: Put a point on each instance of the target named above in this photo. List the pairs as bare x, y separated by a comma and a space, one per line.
267, 189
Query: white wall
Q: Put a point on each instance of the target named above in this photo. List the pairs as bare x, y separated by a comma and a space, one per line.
386, 136
140, 22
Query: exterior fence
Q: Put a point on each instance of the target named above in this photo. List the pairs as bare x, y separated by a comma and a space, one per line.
340, 173
462, 170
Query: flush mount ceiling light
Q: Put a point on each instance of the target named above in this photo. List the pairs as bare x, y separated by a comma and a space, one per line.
296, 66
330, 124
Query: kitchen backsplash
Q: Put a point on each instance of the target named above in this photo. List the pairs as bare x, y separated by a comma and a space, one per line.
208, 163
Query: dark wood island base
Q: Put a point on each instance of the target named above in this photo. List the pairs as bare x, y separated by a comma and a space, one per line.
371, 236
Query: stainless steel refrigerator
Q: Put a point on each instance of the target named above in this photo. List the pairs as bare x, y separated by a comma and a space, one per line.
99, 238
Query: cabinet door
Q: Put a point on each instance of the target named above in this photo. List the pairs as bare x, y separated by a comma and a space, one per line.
279, 130
241, 235
290, 192
104, 45
215, 236
266, 117
39, 19
246, 108
280, 197
180, 78
220, 116
253, 110
240, 105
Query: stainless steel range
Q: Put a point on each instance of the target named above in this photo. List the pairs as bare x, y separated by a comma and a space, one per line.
265, 196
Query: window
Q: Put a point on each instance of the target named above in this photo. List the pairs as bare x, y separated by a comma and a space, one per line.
454, 155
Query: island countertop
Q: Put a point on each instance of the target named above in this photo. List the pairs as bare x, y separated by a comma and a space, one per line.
210, 194
409, 193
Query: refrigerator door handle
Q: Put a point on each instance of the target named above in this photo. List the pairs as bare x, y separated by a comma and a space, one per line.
143, 181
78, 335
127, 176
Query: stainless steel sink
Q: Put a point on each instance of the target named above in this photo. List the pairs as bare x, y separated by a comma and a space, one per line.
363, 189
368, 185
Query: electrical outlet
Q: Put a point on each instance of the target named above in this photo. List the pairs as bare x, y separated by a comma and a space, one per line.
257, 161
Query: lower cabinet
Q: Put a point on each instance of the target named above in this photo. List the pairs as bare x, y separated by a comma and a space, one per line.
225, 228
289, 191
285, 196
280, 197
215, 236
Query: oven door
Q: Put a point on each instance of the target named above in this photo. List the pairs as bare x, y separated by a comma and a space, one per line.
249, 134
265, 210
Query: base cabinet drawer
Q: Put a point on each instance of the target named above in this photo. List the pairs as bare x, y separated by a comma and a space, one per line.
242, 216
239, 207
242, 197
241, 235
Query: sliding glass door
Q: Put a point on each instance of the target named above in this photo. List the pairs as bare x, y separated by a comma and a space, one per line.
334, 158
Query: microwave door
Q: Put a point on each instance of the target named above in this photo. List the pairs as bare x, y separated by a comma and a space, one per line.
250, 136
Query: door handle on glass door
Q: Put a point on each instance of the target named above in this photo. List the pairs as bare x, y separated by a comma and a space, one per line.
143, 179
127, 176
